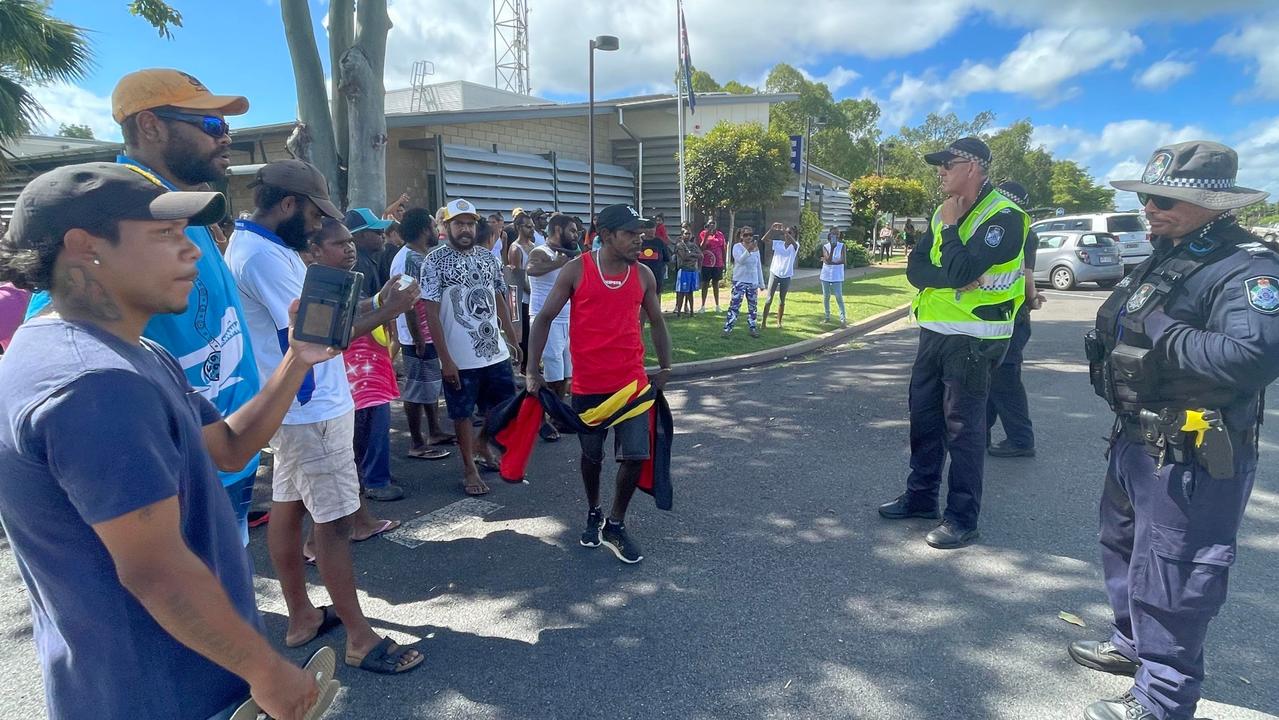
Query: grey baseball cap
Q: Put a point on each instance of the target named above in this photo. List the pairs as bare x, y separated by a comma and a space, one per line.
299, 177
93, 195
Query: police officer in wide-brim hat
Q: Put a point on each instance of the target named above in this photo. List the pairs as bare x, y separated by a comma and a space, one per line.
968, 270
1187, 342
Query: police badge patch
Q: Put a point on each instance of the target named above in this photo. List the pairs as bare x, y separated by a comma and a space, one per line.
1157, 168
1263, 294
994, 236
1125, 282
1140, 297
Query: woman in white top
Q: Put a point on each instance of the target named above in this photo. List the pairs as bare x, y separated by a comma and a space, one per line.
833, 258
748, 279
782, 267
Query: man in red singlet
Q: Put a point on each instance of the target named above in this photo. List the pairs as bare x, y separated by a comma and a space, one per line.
608, 288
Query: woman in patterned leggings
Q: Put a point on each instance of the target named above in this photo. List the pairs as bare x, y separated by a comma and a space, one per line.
748, 278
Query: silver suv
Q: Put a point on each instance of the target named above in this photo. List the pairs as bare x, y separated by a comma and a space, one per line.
1128, 228
1067, 258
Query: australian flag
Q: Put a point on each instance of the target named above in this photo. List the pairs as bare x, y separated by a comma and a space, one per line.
685, 59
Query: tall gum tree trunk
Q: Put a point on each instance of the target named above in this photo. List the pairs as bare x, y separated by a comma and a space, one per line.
361, 84
313, 106
341, 37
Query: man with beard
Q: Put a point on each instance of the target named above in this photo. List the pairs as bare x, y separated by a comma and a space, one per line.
465, 297
314, 464
544, 265
978, 237
609, 289
175, 131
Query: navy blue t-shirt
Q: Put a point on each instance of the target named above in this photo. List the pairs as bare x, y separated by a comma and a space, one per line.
93, 428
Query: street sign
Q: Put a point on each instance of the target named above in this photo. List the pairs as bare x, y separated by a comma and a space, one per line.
796, 151
1060, 211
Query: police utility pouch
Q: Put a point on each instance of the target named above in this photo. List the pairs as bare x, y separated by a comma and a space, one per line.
1135, 368
326, 312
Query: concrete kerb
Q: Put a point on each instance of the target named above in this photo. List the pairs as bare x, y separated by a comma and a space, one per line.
835, 337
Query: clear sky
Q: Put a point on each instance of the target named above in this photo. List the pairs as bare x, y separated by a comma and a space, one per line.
1104, 81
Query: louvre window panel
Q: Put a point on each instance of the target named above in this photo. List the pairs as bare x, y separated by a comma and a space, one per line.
502, 181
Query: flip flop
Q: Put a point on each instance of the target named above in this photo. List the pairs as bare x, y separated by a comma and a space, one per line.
386, 526
487, 465
385, 661
322, 664
327, 623
428, 454
444, 440
549, 433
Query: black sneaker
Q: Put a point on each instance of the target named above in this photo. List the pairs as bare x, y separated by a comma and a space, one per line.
615, 539
594, 521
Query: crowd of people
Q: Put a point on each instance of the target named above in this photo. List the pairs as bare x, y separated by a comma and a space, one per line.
142, 303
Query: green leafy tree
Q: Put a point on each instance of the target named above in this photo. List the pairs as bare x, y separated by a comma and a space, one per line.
1013, 158
736, 166
37, 48
810, 236
83, 132
904, 153
736, 88
846, 133
1074, 189
877, 196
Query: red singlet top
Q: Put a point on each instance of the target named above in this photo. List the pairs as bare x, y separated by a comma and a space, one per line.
603, 332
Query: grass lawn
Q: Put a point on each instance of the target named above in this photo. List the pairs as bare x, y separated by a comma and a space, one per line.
698, 337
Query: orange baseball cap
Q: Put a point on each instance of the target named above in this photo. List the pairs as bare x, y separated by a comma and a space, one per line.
158, 87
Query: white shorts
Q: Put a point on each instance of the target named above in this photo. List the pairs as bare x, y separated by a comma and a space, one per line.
315, 463
557, 365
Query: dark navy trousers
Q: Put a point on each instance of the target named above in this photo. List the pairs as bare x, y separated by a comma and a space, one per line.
373, 445
1168, 541
1007, 400
948, 387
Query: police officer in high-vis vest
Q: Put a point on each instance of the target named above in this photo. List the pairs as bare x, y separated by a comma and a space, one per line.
1183, 351
968, 270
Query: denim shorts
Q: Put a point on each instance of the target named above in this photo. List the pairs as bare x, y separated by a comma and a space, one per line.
630, 437
481, 388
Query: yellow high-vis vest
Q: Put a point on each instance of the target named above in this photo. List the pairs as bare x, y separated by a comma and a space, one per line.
946, 310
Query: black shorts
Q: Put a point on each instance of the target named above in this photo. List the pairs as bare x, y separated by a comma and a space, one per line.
712, 274
630, 437
485, 388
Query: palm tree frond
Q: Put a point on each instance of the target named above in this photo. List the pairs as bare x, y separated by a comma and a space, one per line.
39, 47
19, 110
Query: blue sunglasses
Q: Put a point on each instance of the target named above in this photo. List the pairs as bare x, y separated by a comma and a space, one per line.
210, 125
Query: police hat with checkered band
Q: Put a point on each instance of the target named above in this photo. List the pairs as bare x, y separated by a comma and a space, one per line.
969, 148
1198, 172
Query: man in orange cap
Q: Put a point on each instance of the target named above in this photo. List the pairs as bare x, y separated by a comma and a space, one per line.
175, 131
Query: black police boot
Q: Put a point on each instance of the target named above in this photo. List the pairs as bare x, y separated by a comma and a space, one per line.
949, 536
1101, 655
1006, 449
1124, 707
901, 508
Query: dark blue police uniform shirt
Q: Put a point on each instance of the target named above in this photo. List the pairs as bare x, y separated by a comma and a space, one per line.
1220, 329
92, 428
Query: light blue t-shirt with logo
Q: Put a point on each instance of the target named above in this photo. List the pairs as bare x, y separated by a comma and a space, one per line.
209, 340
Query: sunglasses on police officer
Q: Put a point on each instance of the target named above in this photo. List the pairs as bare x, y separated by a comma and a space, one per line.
1161, 202
210, 125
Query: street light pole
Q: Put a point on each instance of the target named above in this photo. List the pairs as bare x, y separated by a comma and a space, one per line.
607, 43
808, 138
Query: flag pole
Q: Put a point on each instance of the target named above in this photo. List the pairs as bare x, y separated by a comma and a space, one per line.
679, 106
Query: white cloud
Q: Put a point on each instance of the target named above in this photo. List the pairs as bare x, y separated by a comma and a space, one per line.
73, 105
1258, 148
1163, 74
1259, 45
835, 78
1042, 62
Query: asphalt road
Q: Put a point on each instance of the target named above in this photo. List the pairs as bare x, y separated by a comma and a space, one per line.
773, 590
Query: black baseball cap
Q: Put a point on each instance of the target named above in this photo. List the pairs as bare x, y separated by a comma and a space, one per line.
299, 177
91, 196
622, 217
969, 148
1016, 192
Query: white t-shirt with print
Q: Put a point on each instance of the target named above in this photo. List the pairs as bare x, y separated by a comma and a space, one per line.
783, 264
270, 278
468, 286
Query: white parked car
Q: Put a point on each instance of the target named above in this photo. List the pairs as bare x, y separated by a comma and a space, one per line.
1269, 234
1129, 228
